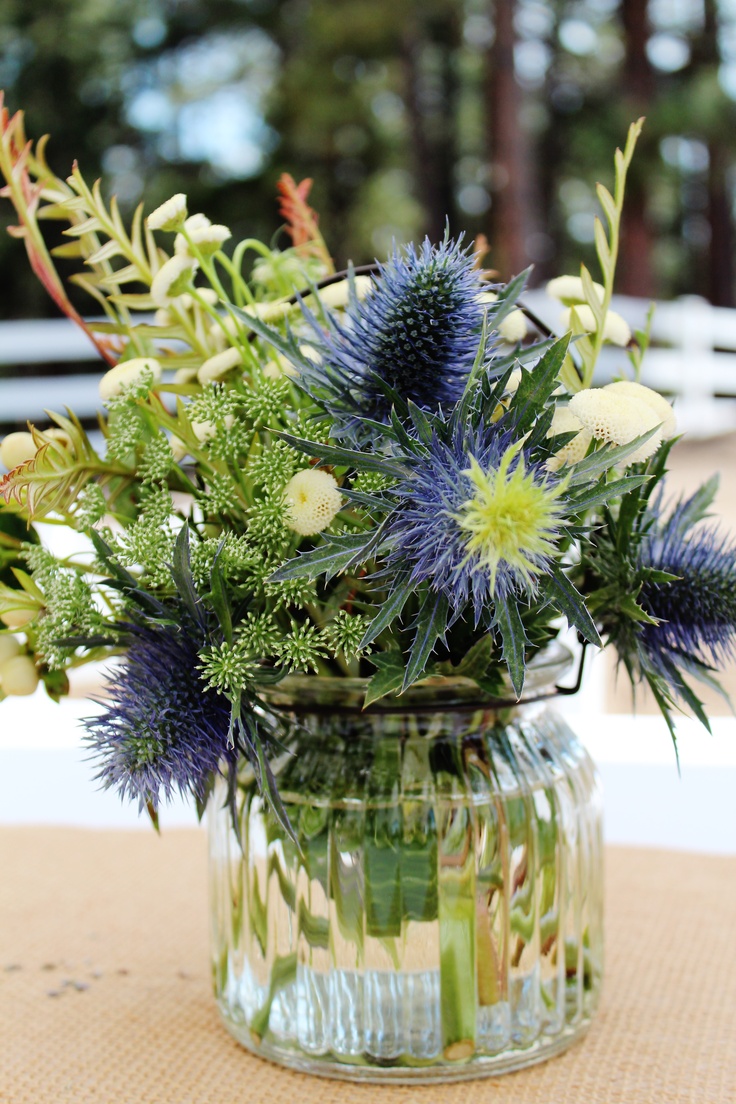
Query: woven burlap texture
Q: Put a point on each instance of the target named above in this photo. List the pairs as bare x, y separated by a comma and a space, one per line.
105, 992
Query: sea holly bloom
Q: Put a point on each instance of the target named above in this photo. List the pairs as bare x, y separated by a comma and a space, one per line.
416, 333
162, 730
696, 610
512, 520
475, 521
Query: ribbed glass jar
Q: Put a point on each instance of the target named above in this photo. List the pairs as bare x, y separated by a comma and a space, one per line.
442, 916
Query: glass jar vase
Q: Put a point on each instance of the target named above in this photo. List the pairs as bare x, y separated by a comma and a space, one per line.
441, 916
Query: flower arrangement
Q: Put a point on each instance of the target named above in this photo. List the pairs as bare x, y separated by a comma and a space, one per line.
378, 473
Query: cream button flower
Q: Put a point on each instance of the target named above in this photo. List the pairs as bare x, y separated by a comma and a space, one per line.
513, 327
16, 448
564, 421
617, 420
172, 279
279, 368
9, 647
123, 375
17, 618
18, 676
337, 295
185, 375
312, 498
615, 328
569, 290
203, 431
170, 215
659, 404
220, 365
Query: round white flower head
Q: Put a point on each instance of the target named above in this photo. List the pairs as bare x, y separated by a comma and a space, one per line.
337, 295
512, 328
615, 328
162, 317
18, 676
617, 419
178, 449
170, 215
564, 421
312, 498
279, 368
185, 375
659, 404
17, 618
9, 647
130, 371
16, 448
219, 365
53, 433
268, 312
569, 290
203, 431
172, 279
514, 380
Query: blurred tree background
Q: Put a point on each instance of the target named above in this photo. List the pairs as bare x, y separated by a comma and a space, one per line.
497, 114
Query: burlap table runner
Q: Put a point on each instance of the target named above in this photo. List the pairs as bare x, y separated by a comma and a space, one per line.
105, 991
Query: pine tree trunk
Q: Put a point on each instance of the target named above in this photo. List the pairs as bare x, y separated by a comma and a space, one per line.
638, 87
509, 153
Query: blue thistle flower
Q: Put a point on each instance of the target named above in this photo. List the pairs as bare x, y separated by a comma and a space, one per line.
416, 334
162, 729
697, 610
475, 520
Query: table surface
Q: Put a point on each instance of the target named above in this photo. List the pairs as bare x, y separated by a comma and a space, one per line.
105, 993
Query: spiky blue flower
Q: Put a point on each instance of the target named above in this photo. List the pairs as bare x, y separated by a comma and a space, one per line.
162, 729
416, 333
475, 520
697, 610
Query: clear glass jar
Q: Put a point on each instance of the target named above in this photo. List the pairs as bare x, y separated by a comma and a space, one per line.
442, 916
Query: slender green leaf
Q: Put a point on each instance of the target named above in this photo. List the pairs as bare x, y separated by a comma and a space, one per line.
431, 625
570, 602
388, 678
390, 610
604, 492
514, 640
333, 454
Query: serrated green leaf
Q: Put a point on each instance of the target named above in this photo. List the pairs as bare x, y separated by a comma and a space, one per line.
604, 492
431, 625
390, 610
387, 679
571, 603
514, 641
342, 457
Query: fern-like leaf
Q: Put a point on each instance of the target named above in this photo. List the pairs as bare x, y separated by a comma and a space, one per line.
50, 482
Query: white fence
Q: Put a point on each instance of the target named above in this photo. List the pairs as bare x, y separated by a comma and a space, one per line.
693, 359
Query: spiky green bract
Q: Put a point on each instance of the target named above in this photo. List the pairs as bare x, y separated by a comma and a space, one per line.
427, 566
